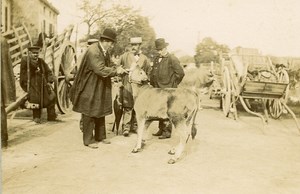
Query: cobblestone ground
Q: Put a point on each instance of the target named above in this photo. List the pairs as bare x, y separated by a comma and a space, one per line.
227, 156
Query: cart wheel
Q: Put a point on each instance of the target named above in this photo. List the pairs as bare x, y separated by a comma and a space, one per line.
226, 94
275, 107
65, 78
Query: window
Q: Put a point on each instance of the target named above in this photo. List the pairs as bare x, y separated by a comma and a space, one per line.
50, 29
44, 25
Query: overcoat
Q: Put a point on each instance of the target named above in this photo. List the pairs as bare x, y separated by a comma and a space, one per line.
40, 75
91, 91
126, 60
166, 73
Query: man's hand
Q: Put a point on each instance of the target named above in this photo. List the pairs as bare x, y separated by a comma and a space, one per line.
121, 70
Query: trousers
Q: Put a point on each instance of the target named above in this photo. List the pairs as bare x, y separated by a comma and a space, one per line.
165, 126
51, 115
129, 120
93, 129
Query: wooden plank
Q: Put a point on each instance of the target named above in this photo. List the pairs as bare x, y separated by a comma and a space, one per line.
15, 54
9, 41
16, 62
19, 28
23, 36
14, 48
25, 42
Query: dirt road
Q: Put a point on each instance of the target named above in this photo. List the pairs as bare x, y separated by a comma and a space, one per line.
227, 157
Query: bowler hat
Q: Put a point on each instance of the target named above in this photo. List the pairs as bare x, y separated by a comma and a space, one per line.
109, 34
160, 43
136, 40
34, 48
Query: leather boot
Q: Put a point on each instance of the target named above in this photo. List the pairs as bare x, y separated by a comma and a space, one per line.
158, 133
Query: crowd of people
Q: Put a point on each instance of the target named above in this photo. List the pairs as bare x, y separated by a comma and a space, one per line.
91, 93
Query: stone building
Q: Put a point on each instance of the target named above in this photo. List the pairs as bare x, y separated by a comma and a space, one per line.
38, 16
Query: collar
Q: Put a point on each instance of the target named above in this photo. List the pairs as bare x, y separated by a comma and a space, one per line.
103, 50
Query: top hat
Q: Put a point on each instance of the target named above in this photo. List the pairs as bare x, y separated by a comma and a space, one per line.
34, 48
136, 40
109, 34
160, 43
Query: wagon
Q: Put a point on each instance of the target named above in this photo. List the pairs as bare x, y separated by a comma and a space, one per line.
59, 53
253, 78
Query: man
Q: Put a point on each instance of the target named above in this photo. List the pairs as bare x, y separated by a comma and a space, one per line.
166, 73
89, 43
91, 92
132, 57
40, 79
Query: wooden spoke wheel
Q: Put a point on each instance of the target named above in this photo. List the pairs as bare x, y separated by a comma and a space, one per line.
67, 62
226, 93
275, 107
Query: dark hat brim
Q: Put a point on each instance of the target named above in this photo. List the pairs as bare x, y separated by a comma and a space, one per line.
34, 48
159, 47
107, 37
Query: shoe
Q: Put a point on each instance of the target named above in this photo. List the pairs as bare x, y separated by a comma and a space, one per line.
105, 141
125, 133
159, 133
164, 136
92, 145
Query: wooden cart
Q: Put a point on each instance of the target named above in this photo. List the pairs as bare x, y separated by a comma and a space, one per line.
59, 53
248, 78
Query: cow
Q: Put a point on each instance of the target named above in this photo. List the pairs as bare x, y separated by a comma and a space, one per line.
179, 105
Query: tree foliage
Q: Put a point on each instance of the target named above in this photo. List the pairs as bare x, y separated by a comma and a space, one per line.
125, 20
208, 50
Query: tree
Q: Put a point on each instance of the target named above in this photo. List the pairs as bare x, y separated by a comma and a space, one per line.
208, 50
93, 13
124, 19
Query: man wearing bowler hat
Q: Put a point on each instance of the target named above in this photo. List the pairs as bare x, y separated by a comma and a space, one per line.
40, 79
166, 73
131, 58
91, 92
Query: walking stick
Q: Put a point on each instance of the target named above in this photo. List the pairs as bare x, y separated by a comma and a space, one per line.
28, 73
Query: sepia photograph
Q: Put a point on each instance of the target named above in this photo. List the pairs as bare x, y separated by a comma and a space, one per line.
150, 97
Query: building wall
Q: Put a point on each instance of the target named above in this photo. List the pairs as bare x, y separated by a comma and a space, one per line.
6, 15
38, 16
22, 12
47, 19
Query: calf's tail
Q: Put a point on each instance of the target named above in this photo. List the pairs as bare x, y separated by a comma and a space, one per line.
194, 129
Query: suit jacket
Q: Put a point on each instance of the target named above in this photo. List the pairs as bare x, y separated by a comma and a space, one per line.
166, 73
91, 90
126, 60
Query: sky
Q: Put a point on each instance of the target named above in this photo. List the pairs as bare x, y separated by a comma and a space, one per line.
272, 26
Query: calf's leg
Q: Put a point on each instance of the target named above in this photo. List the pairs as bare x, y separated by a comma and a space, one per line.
181, 129
143, 125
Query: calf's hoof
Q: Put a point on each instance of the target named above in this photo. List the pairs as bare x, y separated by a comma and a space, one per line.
171, 161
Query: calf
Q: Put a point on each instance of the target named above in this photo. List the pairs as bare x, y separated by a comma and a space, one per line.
179, 105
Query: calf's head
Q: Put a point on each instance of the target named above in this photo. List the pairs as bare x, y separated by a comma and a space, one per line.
137, 75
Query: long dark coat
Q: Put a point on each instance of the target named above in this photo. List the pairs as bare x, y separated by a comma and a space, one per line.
40, 75
91, 91
126, 60
167, 73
